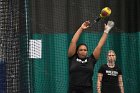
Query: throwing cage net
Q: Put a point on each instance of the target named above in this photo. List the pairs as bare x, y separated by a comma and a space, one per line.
35, 35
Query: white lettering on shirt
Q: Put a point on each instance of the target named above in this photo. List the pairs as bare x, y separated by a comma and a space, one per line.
111, 73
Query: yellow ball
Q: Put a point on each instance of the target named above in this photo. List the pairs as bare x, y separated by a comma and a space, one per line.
105, 12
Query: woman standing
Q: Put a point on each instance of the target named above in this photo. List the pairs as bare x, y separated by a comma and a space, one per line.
80, 65
110, 76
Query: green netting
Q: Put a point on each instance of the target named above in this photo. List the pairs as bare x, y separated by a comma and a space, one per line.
51, 71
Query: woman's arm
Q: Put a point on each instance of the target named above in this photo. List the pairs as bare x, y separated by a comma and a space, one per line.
72, 47
98, 48
120, 80
99, 82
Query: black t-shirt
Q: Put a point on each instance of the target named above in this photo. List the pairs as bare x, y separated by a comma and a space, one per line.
81, 70
110, 78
